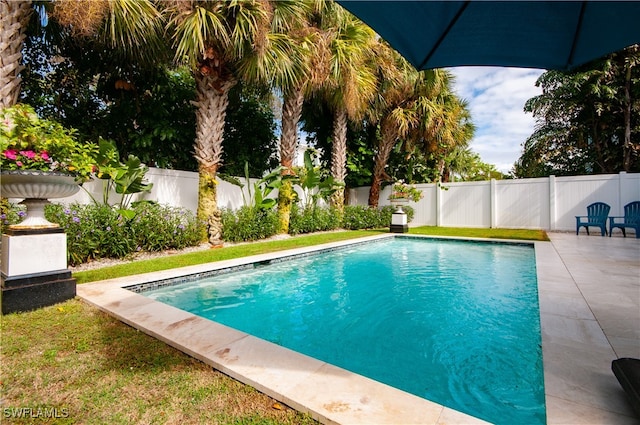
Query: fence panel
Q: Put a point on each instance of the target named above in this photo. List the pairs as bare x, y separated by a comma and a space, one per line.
573, 194
522, 204
549, 203
466, 204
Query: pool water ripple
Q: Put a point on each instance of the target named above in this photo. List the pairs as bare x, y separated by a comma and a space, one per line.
454, 322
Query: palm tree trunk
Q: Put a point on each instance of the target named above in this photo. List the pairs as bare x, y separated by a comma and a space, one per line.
211, 101
14, 17
339, 155
291, 112
380, 162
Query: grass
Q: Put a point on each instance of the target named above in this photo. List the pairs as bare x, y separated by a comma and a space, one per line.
227, 253
77, 363
73, 361
515, 234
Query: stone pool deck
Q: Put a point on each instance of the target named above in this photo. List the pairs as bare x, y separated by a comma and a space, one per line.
589, 290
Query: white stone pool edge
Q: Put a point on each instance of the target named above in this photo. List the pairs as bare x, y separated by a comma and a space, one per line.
328, 393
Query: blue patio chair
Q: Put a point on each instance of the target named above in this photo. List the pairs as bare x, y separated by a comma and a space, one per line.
597, 214
631, 219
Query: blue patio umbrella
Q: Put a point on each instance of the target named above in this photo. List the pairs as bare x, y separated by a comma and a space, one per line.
526, 34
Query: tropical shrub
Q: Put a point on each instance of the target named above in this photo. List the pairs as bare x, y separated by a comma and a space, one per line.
93, 231
10, 213
259, 195
314, 182
313, 219
126, 179
363, 217
99, 231
157, 227
360, 217
249, 223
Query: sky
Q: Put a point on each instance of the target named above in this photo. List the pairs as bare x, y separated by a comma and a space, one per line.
496, 98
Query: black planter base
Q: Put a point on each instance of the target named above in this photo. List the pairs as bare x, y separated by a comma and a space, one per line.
399, 228
30, 292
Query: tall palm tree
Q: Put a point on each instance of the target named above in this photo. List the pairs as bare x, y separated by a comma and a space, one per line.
223, 41
14, 16
421, 109
308, 55
394, 110
451, 131
446, 128
335, 47
350, 86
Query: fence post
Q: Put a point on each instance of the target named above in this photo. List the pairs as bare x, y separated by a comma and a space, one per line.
552, 202
492, 205
621, 190
438, 205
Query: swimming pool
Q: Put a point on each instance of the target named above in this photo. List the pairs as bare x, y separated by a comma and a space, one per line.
478, 352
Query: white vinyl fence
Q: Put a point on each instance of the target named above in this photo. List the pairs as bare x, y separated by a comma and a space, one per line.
549, 203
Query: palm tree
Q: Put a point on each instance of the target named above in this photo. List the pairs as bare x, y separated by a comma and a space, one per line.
451, 132
394, 109
130, 26
447, 129
223, 41
334, 49
300, 80
350, 86
419, 108
14, 16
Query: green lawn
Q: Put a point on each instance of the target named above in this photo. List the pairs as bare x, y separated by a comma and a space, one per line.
226, 253
72, 361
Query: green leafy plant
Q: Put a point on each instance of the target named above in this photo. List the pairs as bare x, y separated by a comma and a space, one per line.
313, 219
28, 142
258, 192
314, 184
99, 231
249, 223
125, 179
363, 217
157, 227
10, 213
403, 191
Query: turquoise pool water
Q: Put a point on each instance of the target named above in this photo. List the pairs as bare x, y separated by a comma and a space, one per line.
453, 322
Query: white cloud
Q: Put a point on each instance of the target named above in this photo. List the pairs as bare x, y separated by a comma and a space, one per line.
496, 98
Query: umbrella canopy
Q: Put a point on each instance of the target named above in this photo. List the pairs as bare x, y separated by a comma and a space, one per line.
526, 34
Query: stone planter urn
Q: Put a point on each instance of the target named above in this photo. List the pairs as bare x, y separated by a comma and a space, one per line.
399, 203
34, 270
36, 188
399, 217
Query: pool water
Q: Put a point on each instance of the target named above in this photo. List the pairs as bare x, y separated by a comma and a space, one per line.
454, 322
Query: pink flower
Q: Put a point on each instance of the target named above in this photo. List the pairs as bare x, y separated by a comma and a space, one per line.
10, 154
44, 155
19, 163
28, 154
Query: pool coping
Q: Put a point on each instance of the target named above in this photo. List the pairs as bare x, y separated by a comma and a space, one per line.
328, 393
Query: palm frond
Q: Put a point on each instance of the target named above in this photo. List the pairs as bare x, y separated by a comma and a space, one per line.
197, 29
134, 26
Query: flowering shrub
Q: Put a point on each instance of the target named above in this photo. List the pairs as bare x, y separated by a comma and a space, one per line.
28, 142
10, 213
401, 190
99, 231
